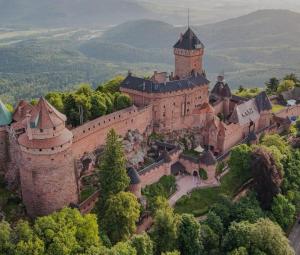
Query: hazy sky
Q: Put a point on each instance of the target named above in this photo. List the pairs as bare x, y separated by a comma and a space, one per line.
206, 11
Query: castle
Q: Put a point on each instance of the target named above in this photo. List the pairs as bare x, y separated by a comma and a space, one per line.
45, 158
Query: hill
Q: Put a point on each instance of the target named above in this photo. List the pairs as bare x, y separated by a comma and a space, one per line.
249, 48
70, 13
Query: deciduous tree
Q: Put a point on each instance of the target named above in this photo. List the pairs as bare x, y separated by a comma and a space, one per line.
189, 239
122, 211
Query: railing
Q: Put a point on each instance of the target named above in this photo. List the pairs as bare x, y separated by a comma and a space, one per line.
151, 167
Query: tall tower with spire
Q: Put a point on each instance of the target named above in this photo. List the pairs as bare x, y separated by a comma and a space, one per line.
47, 175
188, 53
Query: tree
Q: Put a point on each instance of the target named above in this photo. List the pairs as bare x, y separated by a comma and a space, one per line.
171, 253
98, 107
283, 211
266, 175
122, 211
164, 231
247, 209
270, 239
214, 222
143, 244
122, 248
239, 161
239, 251
210, 240
285, 85
6, 246
292, 77
272, 85
122, 101
277, 141
56, 99
112, 170
238, 235
262, 237
189, 238
67, 232
223, 209
112, 85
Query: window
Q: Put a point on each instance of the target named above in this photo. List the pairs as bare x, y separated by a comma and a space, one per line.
41, 130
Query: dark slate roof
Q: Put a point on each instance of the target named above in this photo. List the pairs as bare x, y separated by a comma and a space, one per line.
145, 85
133, 175
252, 136
208, 158
262, 101
177, 168
221, 89
189, 41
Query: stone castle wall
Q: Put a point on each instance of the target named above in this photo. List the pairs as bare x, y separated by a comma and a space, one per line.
3, 149
91, 135
154, 172
48, 182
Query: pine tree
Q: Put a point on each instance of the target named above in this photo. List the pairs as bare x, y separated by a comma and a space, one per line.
112, 170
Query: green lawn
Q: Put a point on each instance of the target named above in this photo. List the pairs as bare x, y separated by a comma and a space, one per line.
199, 201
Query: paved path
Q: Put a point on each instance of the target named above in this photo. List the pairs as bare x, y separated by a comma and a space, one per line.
186, 184
295, 238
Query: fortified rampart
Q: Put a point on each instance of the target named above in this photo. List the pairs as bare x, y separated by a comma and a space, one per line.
91, 135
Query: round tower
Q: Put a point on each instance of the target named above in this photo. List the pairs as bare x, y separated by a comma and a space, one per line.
5, 120
47, 174
188, 53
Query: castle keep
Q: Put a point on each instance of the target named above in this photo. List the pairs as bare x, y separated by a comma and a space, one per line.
47, 160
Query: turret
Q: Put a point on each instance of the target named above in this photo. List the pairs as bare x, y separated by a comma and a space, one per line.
5, 120
48, 181
222, 90
188, 53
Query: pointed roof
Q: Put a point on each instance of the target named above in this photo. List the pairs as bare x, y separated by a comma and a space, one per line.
46, 116
134, 176
5, 115
208, 158
262, 101
21, 110
221, 89
189, 41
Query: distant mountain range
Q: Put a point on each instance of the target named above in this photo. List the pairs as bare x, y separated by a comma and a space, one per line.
249, 48
70, 13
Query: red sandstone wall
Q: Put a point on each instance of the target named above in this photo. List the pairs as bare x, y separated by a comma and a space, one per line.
168, 108
91, 135
3, 149
48, 182
186, 61
190, 166
289, 111
155, 174
218, 107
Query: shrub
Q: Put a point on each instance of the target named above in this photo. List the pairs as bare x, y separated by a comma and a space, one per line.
203, 174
